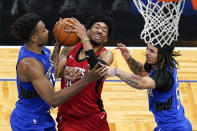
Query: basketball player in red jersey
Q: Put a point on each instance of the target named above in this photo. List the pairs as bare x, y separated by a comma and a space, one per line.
85, 112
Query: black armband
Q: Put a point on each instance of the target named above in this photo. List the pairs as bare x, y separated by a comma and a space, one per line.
91, 58
103, 62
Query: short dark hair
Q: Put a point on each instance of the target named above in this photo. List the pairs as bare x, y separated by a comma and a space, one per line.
24, 26
100, 17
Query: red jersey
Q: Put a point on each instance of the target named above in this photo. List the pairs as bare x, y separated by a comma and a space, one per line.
88, 100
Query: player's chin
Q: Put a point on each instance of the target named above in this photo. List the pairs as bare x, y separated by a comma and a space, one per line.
96, 42
100, 40
148, 61
46, 41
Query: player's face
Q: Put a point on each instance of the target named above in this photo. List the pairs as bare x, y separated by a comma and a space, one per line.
42, 33
151, 54
98, 33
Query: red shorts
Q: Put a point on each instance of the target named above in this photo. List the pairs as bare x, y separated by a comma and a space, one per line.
96, 122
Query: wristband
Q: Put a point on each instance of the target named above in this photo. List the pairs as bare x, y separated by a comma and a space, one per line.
115, 72
85, 40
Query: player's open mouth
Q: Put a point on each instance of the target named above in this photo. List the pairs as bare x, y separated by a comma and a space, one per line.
147, 59
97, 37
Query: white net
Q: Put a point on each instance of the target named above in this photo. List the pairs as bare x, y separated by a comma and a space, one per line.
161, 21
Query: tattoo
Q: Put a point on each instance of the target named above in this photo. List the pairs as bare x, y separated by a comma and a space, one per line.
55, 54
135, 66
136, 77
55, 58
130, 82
64, 51
59, 70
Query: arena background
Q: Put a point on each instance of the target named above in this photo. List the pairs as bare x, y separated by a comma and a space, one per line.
129, 23
127, 108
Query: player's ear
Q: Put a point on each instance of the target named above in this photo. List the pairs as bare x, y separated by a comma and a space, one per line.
88, 32
33, 38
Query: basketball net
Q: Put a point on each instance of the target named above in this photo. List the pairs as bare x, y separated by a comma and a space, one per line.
161, 20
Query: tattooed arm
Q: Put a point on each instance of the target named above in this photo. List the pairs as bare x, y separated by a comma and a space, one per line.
133, 80
61, 61
136, 81
55, 55
135, 66
56, 51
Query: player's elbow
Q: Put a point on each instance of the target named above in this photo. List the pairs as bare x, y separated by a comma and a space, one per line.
146, 83
54, 106
52, 102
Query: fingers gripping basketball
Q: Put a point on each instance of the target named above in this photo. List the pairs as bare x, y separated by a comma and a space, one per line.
65, 38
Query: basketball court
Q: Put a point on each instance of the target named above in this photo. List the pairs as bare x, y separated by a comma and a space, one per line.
126, 107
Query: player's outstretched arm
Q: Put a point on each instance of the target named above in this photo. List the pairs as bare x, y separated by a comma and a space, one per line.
133, 80
44, 87
136, 81
135, 66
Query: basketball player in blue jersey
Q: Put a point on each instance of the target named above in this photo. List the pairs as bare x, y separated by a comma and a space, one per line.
35, 78
162, 85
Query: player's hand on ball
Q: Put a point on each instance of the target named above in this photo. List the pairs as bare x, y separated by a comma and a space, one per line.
63, 32
77, 28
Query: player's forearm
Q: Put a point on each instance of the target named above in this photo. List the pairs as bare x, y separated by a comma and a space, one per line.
55, 57
135, 66
56, 52
66, 93
90, 54
86, 44
58, 72
91, 58
61, 62
135, 81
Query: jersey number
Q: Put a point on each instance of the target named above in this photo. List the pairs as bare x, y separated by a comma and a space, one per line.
178, 98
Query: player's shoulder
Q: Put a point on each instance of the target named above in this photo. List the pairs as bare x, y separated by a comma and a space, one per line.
106, 53
29, 63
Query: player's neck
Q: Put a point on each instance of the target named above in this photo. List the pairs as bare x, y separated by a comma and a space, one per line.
97, 48
34, 47
155, 67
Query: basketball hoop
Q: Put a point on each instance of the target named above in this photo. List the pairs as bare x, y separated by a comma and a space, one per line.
161, 20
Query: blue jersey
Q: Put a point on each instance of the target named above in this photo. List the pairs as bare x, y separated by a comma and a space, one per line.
167, 108
31, 111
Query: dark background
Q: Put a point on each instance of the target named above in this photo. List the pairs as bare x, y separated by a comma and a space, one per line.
129, 23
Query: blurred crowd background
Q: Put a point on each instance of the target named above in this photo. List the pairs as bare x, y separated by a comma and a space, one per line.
129, 23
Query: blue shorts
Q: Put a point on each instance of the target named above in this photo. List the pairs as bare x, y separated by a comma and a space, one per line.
183, 125
31, 122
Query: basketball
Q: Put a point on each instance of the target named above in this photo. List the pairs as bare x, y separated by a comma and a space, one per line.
65, 38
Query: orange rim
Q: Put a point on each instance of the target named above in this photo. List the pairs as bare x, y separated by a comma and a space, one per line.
194, 3
167, 0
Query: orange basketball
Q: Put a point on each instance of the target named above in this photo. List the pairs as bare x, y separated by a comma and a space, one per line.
65, 38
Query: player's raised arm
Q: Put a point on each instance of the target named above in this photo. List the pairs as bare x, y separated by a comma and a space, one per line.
135, 66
